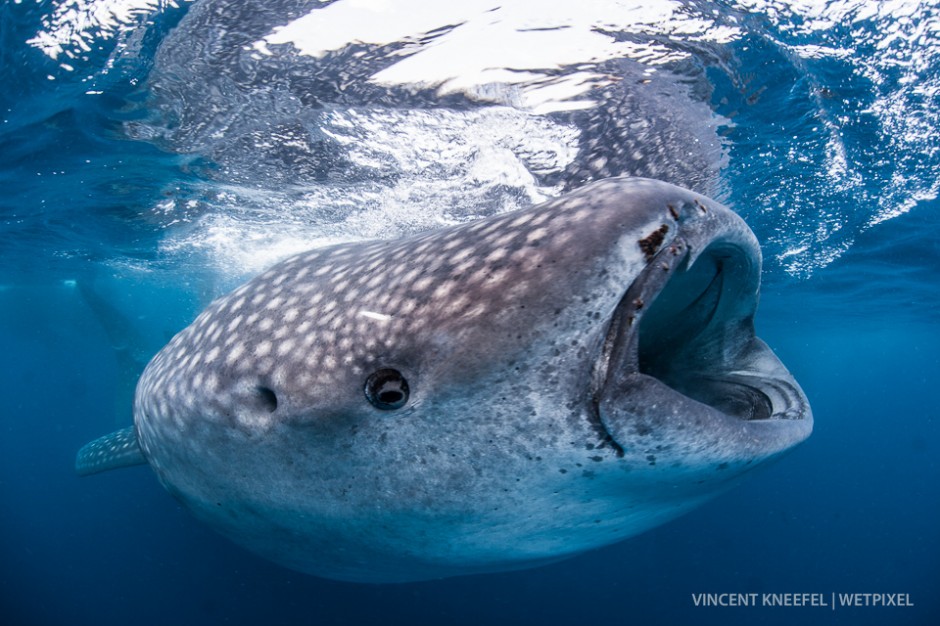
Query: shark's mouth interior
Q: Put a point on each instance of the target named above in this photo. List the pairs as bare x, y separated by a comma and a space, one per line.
680, 366
688, 324
696, 335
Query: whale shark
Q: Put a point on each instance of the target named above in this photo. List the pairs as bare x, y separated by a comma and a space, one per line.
489, 396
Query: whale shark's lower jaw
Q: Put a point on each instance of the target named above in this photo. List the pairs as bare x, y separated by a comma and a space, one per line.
684, 331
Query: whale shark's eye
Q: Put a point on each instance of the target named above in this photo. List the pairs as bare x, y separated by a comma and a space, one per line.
387, 389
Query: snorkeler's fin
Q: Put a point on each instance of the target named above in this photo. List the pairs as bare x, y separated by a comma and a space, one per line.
119, 449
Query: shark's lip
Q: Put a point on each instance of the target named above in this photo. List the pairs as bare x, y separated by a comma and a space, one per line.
683, 333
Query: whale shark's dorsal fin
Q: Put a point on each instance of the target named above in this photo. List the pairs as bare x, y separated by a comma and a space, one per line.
119, 449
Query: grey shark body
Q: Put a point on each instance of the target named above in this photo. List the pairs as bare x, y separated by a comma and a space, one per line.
489, 396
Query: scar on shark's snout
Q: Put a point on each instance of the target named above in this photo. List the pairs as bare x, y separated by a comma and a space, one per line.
650, 244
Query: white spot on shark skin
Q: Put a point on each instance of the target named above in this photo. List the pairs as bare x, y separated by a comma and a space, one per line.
538, 233
496, 255
457, 303
475, 311
313, 360
374, 282
464, 267
262, 349
582, 214
381, 317
422, 284
410, 277
540, 219
461, 255
351, 295
443, 291
213, 354
520, 221
235, 353
285, 347
505, 240
235, 323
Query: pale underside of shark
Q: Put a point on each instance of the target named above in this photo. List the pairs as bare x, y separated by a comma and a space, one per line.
489, 396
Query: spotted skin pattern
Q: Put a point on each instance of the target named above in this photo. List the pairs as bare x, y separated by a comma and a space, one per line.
256, 415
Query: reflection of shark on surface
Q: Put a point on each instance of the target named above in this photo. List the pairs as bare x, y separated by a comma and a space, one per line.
489, 396
129, 346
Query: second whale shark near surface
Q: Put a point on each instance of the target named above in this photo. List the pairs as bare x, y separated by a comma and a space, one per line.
490, 396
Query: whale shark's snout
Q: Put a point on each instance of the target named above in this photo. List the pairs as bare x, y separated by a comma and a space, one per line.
490, 396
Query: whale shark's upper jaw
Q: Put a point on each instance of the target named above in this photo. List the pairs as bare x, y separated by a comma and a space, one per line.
683, 336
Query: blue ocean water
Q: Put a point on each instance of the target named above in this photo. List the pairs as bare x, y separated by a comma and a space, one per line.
154, 156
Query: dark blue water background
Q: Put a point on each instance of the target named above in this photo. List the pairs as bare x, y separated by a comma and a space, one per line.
854, 509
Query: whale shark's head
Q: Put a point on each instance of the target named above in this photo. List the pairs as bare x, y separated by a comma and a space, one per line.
488, 396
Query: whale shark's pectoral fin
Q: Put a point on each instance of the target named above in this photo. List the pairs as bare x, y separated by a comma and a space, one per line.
119, 449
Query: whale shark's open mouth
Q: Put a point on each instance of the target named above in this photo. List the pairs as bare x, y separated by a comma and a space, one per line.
683, 334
